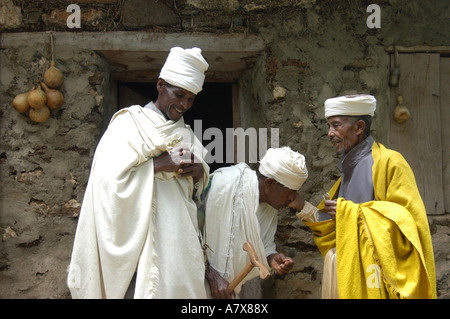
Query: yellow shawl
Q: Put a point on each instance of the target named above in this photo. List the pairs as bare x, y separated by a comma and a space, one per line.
383, 247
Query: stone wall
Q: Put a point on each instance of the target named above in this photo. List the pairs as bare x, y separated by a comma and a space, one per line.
313, 50
45, 167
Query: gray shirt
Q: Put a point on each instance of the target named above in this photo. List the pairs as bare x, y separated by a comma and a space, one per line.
356, 172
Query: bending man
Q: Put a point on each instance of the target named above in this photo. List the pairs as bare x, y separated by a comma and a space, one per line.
241, 205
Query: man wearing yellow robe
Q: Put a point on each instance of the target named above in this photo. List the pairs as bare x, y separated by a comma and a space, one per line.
377, 243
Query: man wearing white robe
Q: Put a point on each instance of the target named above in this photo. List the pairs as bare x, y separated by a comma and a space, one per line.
241, 205
138, 217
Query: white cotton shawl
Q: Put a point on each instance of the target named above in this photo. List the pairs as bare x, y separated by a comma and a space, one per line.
234, 216
124, 205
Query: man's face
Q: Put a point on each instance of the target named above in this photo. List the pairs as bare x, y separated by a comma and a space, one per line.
173, 101
278, 195
344, 133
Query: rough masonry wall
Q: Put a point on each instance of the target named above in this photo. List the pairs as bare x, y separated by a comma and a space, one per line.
45, 168
314, 50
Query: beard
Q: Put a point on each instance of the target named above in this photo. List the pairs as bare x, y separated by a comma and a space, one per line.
337, 142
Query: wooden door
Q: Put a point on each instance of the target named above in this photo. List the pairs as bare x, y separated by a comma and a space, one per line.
444, 94
424, 137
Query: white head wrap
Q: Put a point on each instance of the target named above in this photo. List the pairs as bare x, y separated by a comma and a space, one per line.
185, 68
285, 166
350, 105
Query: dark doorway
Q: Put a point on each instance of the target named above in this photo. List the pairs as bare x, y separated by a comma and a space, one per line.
213, 106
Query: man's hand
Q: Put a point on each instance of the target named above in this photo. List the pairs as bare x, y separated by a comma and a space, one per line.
330, 206
181, 161
280, 263
218, 285
193, 169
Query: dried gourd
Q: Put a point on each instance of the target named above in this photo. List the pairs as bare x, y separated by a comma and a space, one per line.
54, 97
37, 98
40, 115
20, 102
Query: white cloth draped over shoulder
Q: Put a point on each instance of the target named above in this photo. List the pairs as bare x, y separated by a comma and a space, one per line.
234, 216
133, 220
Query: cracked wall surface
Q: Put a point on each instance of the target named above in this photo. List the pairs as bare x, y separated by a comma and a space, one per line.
313, 50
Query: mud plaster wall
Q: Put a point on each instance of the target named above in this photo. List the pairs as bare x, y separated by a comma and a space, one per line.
44, 168
314, 50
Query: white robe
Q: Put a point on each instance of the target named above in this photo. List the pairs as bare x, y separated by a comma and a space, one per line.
233, 215
133, 220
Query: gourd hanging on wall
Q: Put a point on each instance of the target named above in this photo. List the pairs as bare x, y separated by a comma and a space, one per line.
20, 102
401, 112
53, 77
43, 97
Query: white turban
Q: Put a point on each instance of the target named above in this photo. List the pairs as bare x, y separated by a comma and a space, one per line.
350, 105
285, 166
185, 68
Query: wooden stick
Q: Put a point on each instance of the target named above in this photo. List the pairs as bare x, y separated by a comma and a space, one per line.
254, 262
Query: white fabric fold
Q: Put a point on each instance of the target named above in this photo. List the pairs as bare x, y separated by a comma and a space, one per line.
329, 279
309, 213
234, 216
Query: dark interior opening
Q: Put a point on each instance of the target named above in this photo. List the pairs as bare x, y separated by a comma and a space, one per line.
213, 106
